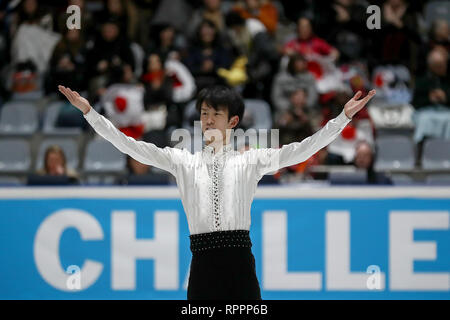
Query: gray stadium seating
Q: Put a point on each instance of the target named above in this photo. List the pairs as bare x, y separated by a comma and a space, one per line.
342, 178
436, 10
69, 146
394, 152
260, 112
19, 118
29, 96
438, 180
102, 156
10, 181
189, 114
50, 117
17, 158
436, 154
402, 180
100, 179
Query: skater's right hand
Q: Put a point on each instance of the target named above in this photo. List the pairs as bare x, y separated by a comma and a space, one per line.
75, 99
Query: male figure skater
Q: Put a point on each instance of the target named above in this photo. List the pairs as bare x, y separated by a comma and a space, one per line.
217, 185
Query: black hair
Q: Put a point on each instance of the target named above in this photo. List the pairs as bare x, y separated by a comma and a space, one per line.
234, 19
220, 96
162, 59
305, 15
292, 60
156, 29
198, 37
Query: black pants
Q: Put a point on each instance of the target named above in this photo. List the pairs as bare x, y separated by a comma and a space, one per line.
224, 272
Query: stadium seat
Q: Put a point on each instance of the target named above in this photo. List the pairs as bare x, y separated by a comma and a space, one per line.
436, 10
190, 115
69, 146
436, 154
17, 158
102, 156
46, 180
259, 114
402, 180
343, 178
148, 179
99, 179
28, 96
10, 181
438, 180
268, 180
19, 118
394, 152
51, 115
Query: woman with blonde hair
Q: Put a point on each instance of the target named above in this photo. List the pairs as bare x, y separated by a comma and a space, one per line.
55, 164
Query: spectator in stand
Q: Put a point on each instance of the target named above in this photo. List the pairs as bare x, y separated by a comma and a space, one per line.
294, 122
249, 39
321, 56
167, 43
87, 23
68, 62
124, 12
168, 85
343, 24
398, 40
210, 10
160, 72
364, 159
55, 165
207, 55
108, 52
296, 76
139, 173
135, 167
308, 44
432, 98
29, 12
123, 103
32, 35
263, 10
438, 37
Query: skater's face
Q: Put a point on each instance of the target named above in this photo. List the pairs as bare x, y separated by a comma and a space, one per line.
216, 126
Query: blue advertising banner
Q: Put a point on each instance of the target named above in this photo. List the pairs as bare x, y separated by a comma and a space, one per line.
133, 243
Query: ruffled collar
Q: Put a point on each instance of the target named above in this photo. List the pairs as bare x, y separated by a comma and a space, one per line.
208, 149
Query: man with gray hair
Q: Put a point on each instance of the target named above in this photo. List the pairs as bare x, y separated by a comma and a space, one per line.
432, 98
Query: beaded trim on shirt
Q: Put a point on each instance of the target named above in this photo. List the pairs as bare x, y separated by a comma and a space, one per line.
220, 239
215, 171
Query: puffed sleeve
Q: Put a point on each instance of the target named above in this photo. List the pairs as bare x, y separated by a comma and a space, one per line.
147, 153
271, 159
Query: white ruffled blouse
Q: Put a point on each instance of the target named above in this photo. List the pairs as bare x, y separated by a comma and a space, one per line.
217, 189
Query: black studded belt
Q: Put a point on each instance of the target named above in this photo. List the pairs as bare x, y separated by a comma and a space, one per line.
220, 239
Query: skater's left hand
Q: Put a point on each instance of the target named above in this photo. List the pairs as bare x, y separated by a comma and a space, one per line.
354, 105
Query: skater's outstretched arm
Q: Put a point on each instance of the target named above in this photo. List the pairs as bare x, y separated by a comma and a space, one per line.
144, 152
270, 159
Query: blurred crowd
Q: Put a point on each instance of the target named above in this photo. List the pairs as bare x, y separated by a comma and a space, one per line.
141, 62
